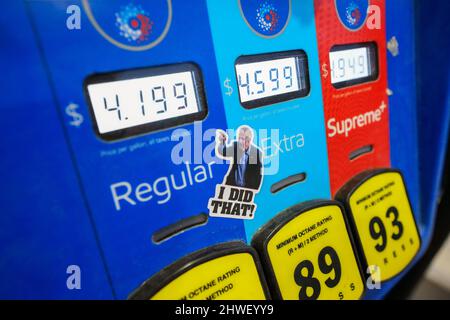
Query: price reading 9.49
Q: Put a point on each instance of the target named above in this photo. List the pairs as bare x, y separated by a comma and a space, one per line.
352, 64
349, 64
343, 68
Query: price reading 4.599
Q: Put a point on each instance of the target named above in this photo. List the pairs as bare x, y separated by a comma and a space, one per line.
257, 82
271, 78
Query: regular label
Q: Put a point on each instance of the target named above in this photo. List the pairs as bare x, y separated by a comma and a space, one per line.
231, 277
385, 223
313, 258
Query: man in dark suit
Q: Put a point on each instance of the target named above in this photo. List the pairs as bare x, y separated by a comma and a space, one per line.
246, 166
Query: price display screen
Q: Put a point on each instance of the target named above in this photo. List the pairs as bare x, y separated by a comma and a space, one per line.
132, 102
353, 64
272, 78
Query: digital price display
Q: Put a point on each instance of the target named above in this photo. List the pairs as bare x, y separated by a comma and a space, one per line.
266, 79
379, 208
132, 102
353, 64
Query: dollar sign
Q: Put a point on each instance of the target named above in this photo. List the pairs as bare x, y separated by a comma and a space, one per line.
226, 84
77, 118
325, 70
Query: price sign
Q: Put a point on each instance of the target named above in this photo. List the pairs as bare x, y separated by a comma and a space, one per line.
228, 271
131, 102
270, 78
378, 204
308, 254
353, 64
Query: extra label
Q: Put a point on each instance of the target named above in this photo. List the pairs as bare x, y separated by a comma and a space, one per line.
310, 255
222, 272
384, 222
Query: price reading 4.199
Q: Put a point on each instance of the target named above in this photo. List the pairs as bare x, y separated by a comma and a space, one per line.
139, 101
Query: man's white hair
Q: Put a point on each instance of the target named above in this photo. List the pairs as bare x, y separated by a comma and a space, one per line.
247, 131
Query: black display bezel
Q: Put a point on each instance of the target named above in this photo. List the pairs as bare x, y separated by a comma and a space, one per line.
301, 57
144, 73
374, 67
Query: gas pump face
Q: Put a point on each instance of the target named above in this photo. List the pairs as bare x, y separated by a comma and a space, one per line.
207, 127
148, 73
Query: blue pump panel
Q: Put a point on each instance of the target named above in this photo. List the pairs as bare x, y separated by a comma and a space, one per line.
91, 182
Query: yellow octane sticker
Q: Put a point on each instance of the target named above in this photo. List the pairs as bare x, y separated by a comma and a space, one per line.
231, 277
312, 257
385, 224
